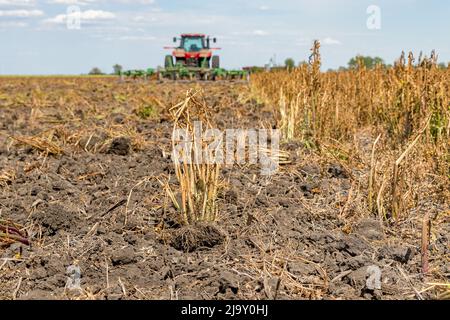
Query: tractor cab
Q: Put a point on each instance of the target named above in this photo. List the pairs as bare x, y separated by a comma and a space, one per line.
194, 50
193, 43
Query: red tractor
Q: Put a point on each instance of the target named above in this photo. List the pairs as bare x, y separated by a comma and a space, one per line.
194, 51
194, 60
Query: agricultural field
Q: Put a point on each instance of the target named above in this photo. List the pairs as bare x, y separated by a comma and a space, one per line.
87, 183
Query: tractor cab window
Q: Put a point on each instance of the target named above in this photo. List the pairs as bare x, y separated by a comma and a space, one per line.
192, 44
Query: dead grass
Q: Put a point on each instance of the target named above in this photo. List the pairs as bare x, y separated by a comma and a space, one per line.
41, 144
408, 105
6, 177
198, 177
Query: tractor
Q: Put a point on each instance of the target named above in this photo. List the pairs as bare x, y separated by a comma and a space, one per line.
193, 59
194, 51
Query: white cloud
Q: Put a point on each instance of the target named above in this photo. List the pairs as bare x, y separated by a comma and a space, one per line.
86, 2
264, 8
137, 1
260, 33
13, 24
17, 2
21, 13
72, 2
144, 19
308, 41
88, 15
331, 41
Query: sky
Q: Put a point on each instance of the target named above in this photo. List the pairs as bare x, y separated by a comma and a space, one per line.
41, 36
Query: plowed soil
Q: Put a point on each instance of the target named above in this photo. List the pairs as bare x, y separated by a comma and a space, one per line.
81, 166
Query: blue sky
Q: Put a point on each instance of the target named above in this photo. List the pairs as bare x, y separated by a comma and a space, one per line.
34, 38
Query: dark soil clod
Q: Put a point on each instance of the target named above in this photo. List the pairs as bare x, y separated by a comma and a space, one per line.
337, 171
120, 146
55, 218
191, 238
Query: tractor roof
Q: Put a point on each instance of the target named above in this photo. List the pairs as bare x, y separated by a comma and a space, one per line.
187, 35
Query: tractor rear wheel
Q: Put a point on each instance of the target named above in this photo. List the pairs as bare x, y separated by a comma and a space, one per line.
168, 62
215, 62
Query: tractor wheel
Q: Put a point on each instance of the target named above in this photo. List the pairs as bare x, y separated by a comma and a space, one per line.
168, 62
215, 62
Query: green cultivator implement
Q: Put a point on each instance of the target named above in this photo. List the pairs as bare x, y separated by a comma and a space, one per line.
134, 74
230, 74
181, 72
